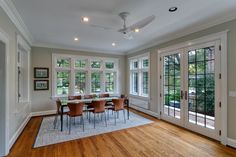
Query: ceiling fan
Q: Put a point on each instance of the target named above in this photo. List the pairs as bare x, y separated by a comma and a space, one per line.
127, 31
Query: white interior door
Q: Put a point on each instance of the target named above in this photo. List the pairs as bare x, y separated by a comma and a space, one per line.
190, 88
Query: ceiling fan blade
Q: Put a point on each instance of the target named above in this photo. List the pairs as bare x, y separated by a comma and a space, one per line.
101, 27
124, 30
128, 36
142, 23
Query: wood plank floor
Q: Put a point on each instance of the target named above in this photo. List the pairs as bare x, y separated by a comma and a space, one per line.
153, 140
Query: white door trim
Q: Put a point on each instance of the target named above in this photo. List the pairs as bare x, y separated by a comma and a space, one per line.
222, 36
5, 38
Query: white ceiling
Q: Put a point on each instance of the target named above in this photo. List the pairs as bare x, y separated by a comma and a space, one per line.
54, 23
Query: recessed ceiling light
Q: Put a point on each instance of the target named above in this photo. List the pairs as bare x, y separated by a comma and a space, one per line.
136, 30
76, 39
85, 19
173, 9
113, 44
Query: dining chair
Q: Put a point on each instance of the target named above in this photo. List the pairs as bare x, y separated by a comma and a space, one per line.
76, 97
75, 110
89, 96
58, 112
98, 108
118, 106
104, 95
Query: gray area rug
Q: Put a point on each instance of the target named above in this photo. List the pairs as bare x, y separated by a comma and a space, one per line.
47, 135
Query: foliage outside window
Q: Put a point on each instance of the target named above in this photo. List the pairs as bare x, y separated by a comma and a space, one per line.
109, 82
63, 63
80, 82
139, 75
62, 83
80, 63
95, 82
109, 65
145, 83
75, 75
96, 64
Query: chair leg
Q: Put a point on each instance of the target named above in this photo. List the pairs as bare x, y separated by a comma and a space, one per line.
55, 121
82, 118
115, 116
105, 118
124, 116
94, 120
67, 119
89, 117
70, 126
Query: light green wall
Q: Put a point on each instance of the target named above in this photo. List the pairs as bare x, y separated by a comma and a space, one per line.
18, 112
42, 57
231, 26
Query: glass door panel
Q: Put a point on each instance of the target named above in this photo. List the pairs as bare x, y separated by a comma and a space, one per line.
172, 85
201, 87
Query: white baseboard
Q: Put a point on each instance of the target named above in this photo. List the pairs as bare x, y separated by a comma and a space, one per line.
145, 111
231, 142
19, 131
42, 113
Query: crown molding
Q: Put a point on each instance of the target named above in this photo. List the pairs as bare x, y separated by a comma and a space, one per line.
64, 47
15, 17
185, 32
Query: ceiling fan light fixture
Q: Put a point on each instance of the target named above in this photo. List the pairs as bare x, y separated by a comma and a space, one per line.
136, 30
173, 9
85, 19
76, 39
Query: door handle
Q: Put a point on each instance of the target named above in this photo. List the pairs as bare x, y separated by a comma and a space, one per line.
186, 95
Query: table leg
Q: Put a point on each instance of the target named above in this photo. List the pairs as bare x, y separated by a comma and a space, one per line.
62, 117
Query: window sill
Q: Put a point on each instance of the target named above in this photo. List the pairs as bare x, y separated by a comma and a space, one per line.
139, 97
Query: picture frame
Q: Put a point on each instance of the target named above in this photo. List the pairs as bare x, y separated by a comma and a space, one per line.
41, 84
41, 72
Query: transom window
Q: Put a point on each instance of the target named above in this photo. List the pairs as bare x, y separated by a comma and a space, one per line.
139, 75
83, 75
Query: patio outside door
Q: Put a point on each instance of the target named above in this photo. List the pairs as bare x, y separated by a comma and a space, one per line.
190, 88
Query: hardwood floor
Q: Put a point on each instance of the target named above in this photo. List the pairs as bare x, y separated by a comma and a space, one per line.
153, 140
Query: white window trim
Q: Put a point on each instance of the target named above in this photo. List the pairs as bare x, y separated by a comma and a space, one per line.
140, 70
222, 36
88, 70
21, 42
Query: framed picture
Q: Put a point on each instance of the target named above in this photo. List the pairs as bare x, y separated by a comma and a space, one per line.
41, 84
41, 72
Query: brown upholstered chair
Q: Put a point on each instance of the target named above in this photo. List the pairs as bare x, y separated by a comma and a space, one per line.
75, 110
77, 97
118, 106
58, 112
98, 108
106, 95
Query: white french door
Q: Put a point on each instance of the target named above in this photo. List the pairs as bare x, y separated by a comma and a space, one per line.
190, 91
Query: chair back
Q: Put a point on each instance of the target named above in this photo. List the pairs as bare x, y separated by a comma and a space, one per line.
77, 97
58, 103
118, 104
99, 106
104, 95
88, 96
76, 109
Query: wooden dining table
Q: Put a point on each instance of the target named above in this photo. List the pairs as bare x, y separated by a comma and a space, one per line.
87, 101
